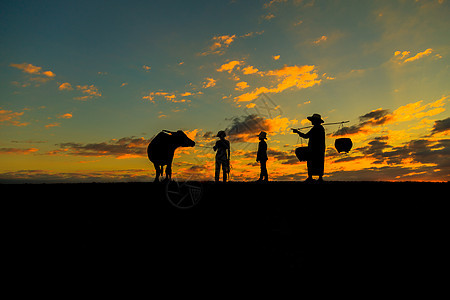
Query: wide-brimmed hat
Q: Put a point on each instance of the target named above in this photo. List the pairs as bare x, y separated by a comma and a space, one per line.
315, 117
221, 134
263, 135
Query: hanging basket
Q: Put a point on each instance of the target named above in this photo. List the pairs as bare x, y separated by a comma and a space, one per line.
343, 145
302, 153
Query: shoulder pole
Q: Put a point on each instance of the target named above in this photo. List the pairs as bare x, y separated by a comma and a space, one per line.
324, 124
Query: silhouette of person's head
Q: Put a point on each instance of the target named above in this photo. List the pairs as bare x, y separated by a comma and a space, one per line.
221, 134
262, 135
316, 119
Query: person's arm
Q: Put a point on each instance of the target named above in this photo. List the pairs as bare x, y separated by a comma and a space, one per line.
303, 135
259, 152
215, 147
229, 151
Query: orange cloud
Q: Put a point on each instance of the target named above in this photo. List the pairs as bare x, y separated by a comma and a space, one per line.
241, 86
171, 97
419, 55
65, 116
27, 68
268, 17
17, 150
276, 57
400, 57
34, 70
219, 44
210, 82
249, 70
229, 66
90, 90
11, 118
323, 38
48, 74
55, 124
65, 86
288, 77
418, 111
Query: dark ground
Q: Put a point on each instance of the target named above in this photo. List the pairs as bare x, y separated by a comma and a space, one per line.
337, 228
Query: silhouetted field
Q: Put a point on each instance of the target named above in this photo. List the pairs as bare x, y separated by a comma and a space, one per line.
367, 228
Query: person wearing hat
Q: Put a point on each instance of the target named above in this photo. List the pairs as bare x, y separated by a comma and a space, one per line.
316, 147
261, 156
222, 149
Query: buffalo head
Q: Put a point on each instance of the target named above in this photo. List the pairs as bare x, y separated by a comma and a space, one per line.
181, 139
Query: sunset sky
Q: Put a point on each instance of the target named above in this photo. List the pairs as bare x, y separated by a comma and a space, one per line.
85, 85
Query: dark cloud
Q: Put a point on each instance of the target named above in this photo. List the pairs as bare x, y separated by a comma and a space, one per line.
441, 126
376, 148
432, 156
348, 130
375, 117
117, 148
241, 126
208, 134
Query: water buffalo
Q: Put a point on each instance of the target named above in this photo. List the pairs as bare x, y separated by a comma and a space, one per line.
161, 149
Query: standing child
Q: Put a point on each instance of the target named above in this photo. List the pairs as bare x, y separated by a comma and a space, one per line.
261, 156
222, 156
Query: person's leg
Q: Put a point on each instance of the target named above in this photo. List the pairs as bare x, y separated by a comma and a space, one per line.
217, 173
264, 174
225, 171
260, 172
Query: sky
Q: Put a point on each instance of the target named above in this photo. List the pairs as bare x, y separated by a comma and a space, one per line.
86, 85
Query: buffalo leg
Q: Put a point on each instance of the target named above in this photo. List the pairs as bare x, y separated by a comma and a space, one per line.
169, 171
159, 171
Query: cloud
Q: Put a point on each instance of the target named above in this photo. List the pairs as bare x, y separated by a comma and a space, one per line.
146, 68
249, 70
272, 2
27, 68
169, 96
209, 82
322, 39
246, 128
127, 147
38, 77
33, 70
287, 77
65, 116
8, 117
219, 44
417, 110
229, 66
65, 86
250, 34
91, 91
276, 57
17, 150
401, 56
241, 86
419, 55
408, 112
49, 74
441, 126
55, 124
268, 17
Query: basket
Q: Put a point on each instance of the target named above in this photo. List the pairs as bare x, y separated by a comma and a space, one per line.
343, 145
302, 153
